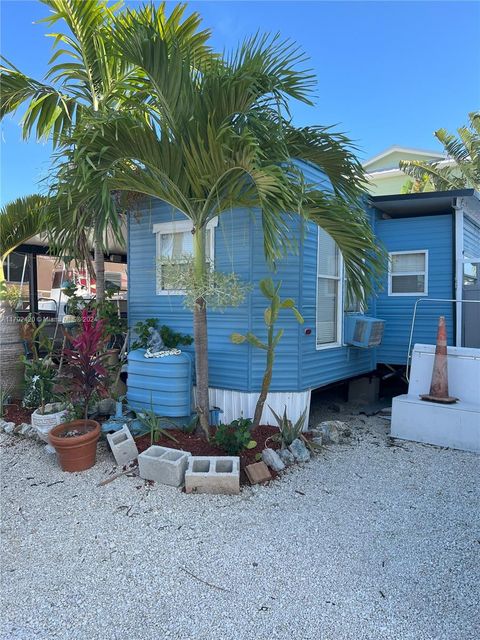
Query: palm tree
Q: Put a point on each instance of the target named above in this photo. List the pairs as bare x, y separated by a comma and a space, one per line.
222, 138
86, 76
464, 150
19, 221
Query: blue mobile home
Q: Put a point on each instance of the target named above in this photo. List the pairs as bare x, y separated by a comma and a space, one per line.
311, 355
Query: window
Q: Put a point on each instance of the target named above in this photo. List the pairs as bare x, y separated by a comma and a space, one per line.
175, 245
351, 303
329, 291
408, 273
16, 268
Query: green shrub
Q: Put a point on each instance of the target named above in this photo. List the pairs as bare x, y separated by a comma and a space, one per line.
171, 339
233, 438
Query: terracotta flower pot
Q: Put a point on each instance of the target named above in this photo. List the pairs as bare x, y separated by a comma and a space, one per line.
76, 453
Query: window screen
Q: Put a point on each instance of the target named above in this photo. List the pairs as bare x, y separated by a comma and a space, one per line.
408, 273
328, 289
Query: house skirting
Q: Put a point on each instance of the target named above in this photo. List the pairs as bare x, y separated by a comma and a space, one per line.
237, 404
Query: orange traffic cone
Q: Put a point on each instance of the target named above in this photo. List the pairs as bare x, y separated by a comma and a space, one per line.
439, 385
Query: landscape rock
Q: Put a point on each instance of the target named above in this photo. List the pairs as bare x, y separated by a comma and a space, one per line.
332, 431
272, 460
7, 427
286, 456
318, 440
25, 429
299, 451
106, 407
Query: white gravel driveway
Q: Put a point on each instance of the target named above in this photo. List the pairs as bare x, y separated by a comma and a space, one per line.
367, 542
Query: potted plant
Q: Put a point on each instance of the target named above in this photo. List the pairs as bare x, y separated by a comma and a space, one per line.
87, 377
40, 375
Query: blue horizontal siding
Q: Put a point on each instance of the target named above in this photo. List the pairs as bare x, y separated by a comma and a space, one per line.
434, 233
228, 364
239, 247
319, 367
471, 238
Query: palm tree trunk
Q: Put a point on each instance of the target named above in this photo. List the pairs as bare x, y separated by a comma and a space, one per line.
99, 263
200, 333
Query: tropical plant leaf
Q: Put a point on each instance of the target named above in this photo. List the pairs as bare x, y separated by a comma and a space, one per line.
463, 149
237, 338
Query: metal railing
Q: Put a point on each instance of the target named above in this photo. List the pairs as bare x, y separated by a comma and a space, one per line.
412, 326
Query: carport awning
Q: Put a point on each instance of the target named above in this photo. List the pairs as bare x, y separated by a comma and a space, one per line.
419, 204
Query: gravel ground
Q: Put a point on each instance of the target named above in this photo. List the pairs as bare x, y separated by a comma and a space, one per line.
367, 542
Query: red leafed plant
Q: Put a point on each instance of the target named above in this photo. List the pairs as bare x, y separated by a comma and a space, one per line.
86, 373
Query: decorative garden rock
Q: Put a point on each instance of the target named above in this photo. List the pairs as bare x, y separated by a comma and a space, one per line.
26, 430
272, 460
7, 427
332, 431
286, 456
300, 451
106, 406
317, 439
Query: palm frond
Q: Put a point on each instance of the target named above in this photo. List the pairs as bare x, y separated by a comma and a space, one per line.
20, 220
363, 255
463, 149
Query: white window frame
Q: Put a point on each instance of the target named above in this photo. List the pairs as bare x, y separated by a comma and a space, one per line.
178, 226
424, 273
340, 301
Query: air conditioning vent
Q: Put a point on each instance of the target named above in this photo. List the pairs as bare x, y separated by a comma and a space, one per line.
363, 332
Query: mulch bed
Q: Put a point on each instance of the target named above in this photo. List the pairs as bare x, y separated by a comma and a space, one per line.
198, 446
16, 413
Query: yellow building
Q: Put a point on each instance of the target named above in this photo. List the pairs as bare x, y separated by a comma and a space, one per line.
383, 170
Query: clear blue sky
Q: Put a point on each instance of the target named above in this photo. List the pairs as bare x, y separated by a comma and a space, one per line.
388, 72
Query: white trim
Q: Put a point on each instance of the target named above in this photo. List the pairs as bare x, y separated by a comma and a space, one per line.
424, 273
396, 149
392, 173
179, 226
236, 404
340, 302
459, 267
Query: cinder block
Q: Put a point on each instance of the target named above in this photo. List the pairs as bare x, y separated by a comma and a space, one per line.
258, 472
122, 445
213, 474
163, 465
363, 390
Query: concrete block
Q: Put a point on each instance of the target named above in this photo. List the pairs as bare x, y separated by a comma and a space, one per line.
363, 390
446, 425
258, 473
123, 446
163, 465
213, 474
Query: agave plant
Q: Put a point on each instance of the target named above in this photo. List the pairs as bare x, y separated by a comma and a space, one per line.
289, 431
